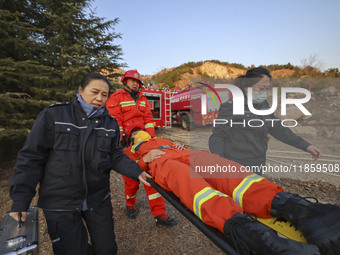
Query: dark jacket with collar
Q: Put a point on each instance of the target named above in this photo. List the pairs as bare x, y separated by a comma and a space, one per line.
70, 156
245, 144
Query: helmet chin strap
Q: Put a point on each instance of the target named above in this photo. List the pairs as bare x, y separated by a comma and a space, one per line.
131, 141
134, 91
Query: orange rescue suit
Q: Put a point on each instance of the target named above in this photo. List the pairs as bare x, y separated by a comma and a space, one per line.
131, 187
131, 114
213, 200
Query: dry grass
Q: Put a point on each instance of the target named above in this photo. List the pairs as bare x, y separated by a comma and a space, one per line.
142, 236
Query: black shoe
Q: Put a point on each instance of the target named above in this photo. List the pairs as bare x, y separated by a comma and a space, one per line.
131, 212
319, 223
252, 237
165, 220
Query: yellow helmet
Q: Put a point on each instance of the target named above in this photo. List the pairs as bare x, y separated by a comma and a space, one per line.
141, 136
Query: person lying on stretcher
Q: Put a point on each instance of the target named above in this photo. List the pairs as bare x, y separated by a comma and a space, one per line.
224, 203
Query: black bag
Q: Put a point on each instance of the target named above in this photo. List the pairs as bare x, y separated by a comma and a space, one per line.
15, 239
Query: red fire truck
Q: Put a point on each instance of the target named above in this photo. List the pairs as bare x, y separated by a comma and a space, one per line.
186, 107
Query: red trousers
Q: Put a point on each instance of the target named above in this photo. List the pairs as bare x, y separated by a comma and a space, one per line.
156, 201
214, 200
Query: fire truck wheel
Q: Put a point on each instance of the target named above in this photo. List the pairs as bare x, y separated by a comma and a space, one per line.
186, 124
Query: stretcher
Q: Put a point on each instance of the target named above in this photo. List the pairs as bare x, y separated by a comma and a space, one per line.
283, 227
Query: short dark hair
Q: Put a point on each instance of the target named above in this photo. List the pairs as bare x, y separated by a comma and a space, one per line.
93, 76
238, 81
253, 75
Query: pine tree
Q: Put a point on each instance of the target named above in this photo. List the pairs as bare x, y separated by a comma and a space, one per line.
79, 42
19, 47
45, 49
53, 43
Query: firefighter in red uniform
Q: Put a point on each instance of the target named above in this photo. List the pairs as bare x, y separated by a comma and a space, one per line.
221, 202
132, 110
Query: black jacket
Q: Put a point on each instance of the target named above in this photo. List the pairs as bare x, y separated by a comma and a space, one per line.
70, 156
245, 144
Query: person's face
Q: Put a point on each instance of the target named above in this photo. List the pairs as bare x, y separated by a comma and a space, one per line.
263, 85
132, 84
95, 93
133, 135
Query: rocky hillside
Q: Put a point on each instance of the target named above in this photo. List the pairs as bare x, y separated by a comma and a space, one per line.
211, 70
180, 76
215, 70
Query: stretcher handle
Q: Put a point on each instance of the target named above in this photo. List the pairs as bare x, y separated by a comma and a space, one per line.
20, 221
213, 234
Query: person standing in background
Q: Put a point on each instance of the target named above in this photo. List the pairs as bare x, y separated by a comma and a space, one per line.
247, 144
132, 111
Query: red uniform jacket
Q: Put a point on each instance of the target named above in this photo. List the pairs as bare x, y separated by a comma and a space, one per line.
131, 114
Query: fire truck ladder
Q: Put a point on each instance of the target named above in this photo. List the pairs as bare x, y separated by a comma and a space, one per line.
167, 105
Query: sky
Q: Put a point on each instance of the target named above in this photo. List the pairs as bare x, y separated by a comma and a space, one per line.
164, 34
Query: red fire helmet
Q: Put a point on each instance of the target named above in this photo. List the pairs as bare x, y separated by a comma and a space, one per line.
133, 74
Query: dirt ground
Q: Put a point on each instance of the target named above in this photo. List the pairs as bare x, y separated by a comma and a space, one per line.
142, 236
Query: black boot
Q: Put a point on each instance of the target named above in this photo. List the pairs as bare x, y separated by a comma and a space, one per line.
252, 237
165, 220
131, 212
319, 223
